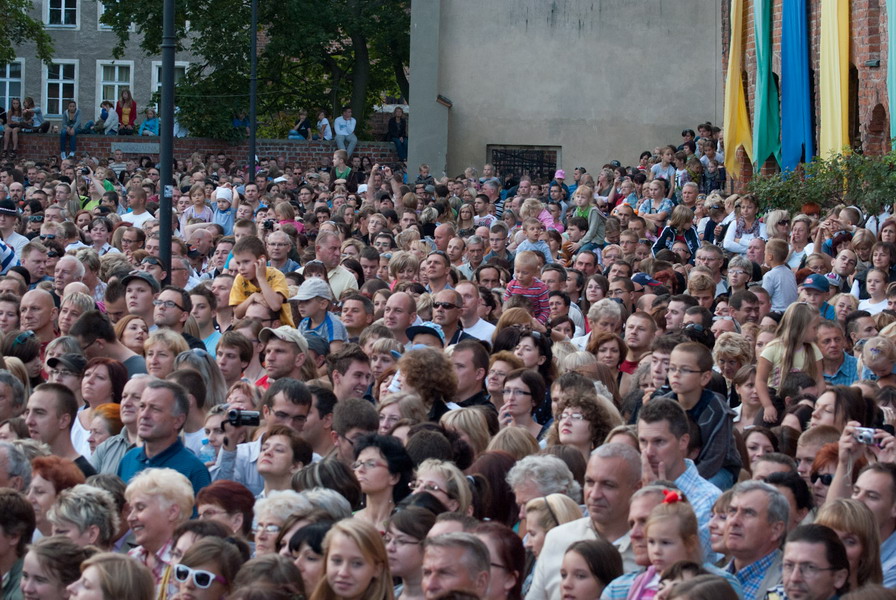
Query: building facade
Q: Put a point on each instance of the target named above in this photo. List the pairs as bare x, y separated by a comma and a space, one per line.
867, 110
83, 67
565, 83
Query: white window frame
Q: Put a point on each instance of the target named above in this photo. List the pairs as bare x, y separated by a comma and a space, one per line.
99, 78
157, 74
4, 80
78, 5
45, 82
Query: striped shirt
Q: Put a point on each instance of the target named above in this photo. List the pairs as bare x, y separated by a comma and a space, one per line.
537, 294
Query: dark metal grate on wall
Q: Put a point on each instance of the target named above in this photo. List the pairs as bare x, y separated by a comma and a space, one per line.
536, 162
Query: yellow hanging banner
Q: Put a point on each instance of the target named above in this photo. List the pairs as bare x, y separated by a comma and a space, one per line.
833, 79
737, 120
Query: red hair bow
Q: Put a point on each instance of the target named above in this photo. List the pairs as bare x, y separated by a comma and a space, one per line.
671, 497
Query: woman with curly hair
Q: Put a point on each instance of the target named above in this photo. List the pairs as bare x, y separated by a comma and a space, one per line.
430, 374
582, 423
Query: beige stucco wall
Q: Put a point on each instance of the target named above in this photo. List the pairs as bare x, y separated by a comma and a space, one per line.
601, 79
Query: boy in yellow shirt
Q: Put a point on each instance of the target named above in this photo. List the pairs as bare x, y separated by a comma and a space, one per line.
270, 290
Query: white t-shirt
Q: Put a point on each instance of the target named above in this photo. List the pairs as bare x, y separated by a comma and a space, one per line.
193, 441
873, 308
137, 220
79, 436
482, 330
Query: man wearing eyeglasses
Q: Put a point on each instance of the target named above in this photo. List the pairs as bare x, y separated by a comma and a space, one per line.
815, 565
287, 402
172, 308
278, 246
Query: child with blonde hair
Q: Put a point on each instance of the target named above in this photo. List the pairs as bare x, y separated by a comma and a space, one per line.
672, 536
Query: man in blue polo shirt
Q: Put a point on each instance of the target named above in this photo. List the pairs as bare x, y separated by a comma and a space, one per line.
161, 416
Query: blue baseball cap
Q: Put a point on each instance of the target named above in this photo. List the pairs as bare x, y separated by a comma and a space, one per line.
816, 281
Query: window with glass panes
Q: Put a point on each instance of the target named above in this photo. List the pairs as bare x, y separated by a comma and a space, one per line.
114, 79
62, 13
61, 87
10, 83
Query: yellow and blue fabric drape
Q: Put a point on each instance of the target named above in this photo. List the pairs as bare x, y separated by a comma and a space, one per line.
834, 77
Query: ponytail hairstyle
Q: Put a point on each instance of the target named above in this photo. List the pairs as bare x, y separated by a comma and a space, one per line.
675, 506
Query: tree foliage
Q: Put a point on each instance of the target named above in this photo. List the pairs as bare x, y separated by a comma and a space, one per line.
851, 178
313, 55
20, 28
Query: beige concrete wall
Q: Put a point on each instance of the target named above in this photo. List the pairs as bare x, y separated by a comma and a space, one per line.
601, 79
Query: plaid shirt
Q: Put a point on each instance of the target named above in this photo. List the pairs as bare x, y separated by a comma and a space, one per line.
702, 495
752, 576
847, 374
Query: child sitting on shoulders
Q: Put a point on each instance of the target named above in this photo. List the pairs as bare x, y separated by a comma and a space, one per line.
525, 283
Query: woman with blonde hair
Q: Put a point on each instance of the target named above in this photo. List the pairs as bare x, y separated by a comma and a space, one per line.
542, 515
515, 441
580, 362
398, 406
466, 225
446, 482
855, 525
403, 266
471, 425
777, 224
843, 305
132, 331
162, 347
112, 576
356, 566
879, 356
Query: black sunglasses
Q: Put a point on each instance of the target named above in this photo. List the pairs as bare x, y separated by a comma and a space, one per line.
825, 479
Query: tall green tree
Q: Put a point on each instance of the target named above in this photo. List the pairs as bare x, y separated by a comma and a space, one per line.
20, 28
313, 55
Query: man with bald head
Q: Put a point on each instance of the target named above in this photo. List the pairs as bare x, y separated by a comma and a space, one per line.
443, 235
39, 314
400, 313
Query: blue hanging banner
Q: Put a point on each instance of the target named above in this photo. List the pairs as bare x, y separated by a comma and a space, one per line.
796, 107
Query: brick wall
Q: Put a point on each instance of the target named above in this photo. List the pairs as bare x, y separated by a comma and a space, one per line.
869, 105
40, 147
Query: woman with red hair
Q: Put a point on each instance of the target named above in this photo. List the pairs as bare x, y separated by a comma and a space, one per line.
49, 476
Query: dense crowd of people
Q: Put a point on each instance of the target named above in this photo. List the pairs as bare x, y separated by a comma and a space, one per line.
357, 382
